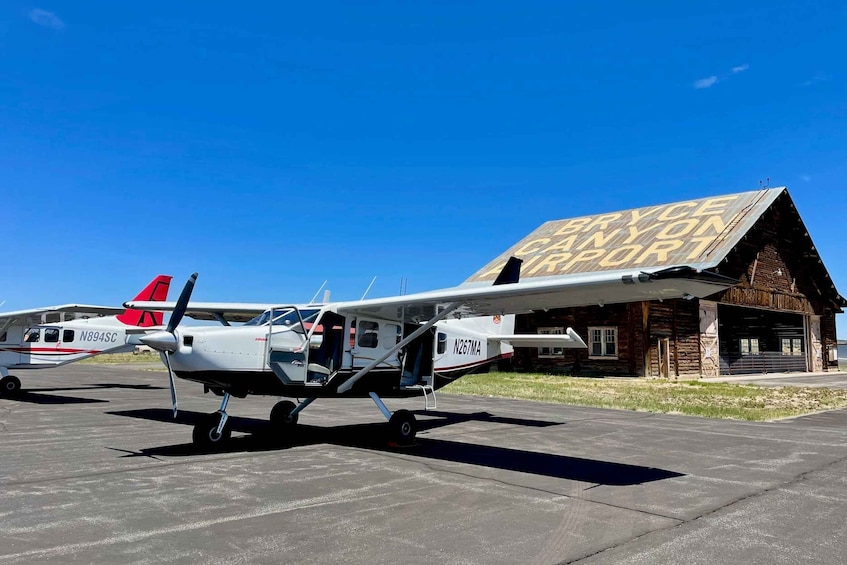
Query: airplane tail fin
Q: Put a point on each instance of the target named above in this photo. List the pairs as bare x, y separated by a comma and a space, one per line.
157, 291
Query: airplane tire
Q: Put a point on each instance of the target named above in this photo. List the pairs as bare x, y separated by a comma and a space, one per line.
280, 415
402, 427
205, 431
10, 386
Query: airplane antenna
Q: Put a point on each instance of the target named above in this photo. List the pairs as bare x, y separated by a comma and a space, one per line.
368, 289
312, 301
326, 297
403, 282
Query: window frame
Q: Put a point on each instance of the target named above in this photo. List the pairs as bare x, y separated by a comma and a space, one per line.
547, 352
748, 346
604, 342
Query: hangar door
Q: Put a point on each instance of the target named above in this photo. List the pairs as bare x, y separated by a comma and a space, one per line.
760, 341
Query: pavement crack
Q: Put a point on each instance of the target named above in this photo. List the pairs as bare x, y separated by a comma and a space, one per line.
683, 522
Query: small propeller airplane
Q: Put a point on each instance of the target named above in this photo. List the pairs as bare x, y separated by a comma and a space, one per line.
57, 335
384, 347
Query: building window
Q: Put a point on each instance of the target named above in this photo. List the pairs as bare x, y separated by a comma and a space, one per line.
550, 351
749, 345
603, 342
792, 346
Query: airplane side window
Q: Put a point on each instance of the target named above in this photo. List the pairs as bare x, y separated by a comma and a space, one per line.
68, 336
51, 335
3, 336
442, 342
32, 335
368, 334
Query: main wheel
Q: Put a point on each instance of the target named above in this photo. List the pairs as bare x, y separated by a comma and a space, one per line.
10, 386
402, 427
281, 418
206, 431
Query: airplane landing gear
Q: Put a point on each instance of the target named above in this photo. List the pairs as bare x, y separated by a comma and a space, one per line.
402, 425
284, 414
281, 417
207, 431
213, 429
10, 385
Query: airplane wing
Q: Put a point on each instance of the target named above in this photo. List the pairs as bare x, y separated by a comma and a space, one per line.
37, 315
555, 292
216, 311
517, 298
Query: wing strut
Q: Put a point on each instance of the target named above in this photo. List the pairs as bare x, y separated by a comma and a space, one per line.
348, 384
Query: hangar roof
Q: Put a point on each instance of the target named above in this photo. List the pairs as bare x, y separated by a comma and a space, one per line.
698, 233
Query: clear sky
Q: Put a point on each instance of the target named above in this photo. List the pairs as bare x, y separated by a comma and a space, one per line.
271, 146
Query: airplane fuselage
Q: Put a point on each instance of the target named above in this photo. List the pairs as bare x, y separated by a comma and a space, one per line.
278, 359
51, 345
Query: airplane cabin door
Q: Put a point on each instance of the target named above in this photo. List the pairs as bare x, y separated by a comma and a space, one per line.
11, 341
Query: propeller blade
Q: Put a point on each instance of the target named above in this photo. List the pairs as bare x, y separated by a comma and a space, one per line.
182, 303
167, 357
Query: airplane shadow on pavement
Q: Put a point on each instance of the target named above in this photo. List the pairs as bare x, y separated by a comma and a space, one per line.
372, 437
37, 396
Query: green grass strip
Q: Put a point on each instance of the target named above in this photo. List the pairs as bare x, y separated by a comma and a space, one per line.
694, 398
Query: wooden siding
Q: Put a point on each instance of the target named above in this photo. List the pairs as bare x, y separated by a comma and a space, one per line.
778, 269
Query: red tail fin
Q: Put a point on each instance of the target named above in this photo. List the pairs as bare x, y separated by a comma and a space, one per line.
157, 290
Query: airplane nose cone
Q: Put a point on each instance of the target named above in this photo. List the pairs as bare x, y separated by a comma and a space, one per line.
160, 341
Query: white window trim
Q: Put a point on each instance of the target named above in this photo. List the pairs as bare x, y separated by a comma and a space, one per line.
550, 352
603, 330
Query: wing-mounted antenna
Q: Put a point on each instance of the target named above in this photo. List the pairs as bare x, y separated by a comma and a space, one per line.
511, 272
312, 301
373, 280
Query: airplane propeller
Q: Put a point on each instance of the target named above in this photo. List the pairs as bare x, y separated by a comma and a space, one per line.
166, 340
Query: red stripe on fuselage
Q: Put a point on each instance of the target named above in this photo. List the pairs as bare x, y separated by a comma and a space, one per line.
43, 350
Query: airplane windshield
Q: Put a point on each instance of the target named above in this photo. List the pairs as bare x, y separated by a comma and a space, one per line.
286, 317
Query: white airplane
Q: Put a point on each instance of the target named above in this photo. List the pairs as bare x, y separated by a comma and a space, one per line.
384, 347
57, 335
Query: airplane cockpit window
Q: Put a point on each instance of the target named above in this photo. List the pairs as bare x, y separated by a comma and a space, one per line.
51, 335
68, 336
287, 317
32, 335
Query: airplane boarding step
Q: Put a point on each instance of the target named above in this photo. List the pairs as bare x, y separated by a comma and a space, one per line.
424, 388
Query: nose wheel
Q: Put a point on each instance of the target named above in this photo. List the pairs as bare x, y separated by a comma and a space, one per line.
213, 429
207, 432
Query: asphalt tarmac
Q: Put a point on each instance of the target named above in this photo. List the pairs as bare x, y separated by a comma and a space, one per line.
93, 469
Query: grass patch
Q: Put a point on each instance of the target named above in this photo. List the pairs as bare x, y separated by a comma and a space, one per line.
712, 400
122, 359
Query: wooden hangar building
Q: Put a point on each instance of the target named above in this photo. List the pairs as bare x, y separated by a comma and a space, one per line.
779, 317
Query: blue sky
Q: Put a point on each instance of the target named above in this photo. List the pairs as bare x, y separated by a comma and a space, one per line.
271, 146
